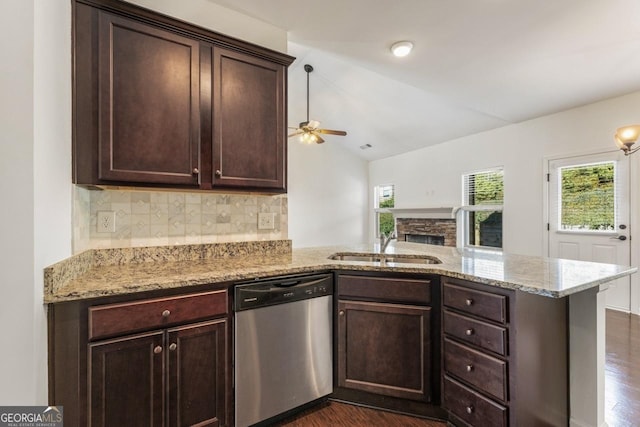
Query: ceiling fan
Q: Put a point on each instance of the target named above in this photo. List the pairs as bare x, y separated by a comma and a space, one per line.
310, 131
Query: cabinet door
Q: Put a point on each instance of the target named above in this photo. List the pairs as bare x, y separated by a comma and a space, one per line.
385, 349
126, 386
197, 372
149, 126
249, 116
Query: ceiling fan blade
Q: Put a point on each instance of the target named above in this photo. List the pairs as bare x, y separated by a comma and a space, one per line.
332, 132
319, 140
298, 132
313, 124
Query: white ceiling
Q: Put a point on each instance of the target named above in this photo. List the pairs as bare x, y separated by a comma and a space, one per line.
476, 64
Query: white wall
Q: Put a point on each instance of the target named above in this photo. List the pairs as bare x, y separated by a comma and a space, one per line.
328, 195
432, 176
35, 183
17, 203
51, 159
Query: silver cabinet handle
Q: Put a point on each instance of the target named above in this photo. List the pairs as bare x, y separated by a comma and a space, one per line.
468, 301
166, 313
157, 349
341, 313
196, 171
469, 368
469, 332
173, 346
218, 173
470, 409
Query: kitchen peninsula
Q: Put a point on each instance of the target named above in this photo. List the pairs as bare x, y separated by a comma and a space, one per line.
522, 302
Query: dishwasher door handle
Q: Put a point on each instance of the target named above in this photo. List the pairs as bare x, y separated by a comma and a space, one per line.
287, 284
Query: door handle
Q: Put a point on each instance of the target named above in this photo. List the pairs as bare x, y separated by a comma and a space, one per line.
620, 238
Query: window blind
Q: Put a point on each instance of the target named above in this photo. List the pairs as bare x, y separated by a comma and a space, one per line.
483, 188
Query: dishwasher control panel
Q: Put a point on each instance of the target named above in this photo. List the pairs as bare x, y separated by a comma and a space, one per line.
261, 293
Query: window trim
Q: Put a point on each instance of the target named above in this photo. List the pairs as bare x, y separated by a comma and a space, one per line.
378, 210
465, 209
616, 191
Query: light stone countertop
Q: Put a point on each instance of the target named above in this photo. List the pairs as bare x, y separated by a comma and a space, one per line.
87, 275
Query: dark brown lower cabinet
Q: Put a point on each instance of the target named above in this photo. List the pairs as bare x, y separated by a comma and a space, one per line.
126, 381
196, 373
172, 377
385, 349
504, 359
158, 359
384, 342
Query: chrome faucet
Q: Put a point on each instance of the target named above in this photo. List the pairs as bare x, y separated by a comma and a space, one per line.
385, 239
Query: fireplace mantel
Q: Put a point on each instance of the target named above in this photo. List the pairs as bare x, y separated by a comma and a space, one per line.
428, 213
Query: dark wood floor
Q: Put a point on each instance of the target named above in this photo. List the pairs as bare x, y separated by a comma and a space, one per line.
622, 370
622, 388
344, 415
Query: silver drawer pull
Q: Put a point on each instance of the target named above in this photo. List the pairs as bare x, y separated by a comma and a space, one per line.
470, 409
157, 349
469, 332
468, 301
469, 368
166, 313
173, 346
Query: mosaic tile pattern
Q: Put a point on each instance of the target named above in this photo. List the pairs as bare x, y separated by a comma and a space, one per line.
159, 218
81, 219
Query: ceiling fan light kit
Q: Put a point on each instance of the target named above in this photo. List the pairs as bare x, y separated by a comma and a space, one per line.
310, 131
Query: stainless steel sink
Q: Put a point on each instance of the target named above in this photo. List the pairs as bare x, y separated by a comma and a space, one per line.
387, 259
406, 260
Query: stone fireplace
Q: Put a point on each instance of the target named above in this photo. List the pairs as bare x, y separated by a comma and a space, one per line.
440, 231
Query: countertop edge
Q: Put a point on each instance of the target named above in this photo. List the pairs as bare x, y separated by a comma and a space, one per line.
278, 270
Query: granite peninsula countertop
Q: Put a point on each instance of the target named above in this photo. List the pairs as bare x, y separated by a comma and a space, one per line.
97, 272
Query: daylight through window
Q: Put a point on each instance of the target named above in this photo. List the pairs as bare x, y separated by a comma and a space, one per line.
384, 198
483, 195
587, 197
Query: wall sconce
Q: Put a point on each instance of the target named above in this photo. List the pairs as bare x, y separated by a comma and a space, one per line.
627, 136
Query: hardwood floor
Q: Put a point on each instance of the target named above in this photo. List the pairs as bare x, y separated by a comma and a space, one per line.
622, 370
338, 414
622, 388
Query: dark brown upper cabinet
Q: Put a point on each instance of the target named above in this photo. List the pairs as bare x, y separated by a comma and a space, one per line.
159, 102
149, 128
248, 121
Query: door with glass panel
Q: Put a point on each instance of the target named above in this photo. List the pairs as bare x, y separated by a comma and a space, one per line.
589, 215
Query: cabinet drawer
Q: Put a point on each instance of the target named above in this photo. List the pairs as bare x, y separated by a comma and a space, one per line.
389, 289
478, 303
471, 407
486, 373
476, 332
123, 318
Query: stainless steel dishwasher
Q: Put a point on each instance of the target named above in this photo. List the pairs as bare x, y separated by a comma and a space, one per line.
283, 341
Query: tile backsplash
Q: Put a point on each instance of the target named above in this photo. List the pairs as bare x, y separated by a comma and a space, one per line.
157, 218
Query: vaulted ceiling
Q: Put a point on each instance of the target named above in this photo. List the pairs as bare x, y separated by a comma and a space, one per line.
476, 64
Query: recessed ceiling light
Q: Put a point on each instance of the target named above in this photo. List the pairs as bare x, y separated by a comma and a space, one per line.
402, 48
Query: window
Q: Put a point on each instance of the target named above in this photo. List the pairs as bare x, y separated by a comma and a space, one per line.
384, 198
587, 197
483, 194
